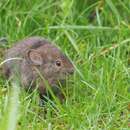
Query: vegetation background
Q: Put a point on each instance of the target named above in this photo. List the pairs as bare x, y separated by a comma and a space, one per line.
95, 34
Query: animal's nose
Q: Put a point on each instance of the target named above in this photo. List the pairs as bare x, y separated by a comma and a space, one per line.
71, 71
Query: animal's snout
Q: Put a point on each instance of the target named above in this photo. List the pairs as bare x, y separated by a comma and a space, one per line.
71, 71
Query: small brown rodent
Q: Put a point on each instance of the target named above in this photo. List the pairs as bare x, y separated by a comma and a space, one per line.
36, 52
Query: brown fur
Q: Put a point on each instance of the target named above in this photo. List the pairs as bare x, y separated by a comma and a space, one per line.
37, 53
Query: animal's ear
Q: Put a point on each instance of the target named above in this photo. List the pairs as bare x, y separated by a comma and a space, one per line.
34, 57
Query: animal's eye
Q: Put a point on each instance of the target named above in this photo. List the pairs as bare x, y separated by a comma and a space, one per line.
58, 63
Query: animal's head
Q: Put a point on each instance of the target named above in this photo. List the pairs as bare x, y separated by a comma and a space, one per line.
51, 62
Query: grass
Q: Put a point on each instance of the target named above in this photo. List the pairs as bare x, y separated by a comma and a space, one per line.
95, 35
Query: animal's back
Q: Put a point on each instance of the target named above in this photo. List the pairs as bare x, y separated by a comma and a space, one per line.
19, 50
21, 47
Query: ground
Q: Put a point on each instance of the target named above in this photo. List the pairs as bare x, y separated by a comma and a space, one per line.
95, 34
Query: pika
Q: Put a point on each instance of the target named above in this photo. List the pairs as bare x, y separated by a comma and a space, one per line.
37, 53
